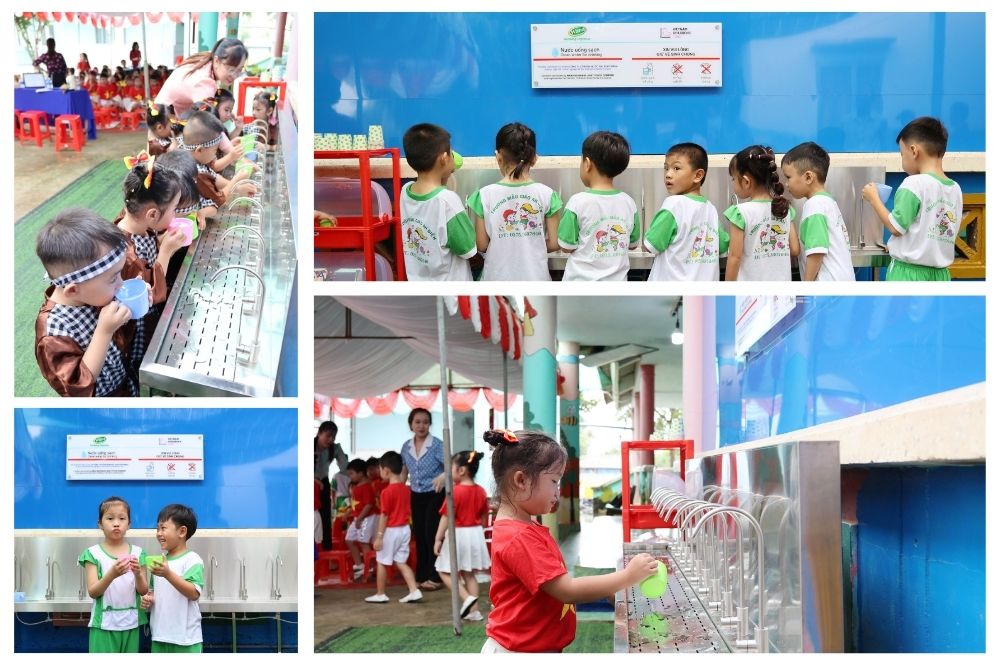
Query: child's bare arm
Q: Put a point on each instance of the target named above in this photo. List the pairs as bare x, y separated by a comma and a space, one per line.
141, 579
552, 233
735, 253
813, 264
184, 587
870, 195
364, 513
482, 238
794, 246
586, 589
383, 519
439, 538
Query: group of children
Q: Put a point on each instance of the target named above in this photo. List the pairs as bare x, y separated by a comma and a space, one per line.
86, 343
516, 222
122, 88
131, 588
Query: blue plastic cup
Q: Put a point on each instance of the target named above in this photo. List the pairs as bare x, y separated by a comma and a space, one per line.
884, 191
134, 294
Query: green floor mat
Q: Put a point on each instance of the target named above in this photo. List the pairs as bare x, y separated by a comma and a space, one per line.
590, 638
100, 190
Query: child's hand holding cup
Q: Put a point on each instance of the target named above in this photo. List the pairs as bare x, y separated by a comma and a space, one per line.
640, 567
157, 565
112, 317
123, 564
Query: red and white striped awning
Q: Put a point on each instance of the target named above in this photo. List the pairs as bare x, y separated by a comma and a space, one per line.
106, 20
494, 319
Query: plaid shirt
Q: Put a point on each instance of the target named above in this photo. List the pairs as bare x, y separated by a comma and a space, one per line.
205, 169
79, 323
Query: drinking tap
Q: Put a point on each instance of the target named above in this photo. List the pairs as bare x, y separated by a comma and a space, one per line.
50, 564
251, 350
243, 578
263, 245
274, 564
244, 199
210, 588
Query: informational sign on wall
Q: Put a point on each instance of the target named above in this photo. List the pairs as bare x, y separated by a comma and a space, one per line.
135, 456
626, 55
756, 315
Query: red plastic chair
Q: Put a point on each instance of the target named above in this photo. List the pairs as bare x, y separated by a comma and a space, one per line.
69, 132
343, 560
131, 119
35, 126
103, 117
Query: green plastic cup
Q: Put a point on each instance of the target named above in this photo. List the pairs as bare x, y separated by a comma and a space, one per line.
656, 585
153, 560
458, 160
193, 217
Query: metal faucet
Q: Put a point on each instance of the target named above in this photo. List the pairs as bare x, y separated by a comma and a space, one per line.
244, 199
263, 245
249, 350
210, 588
50, 564
274, 564
243, 578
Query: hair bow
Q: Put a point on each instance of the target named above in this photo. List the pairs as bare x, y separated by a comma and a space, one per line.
153, 110
472, 457
272, 97
509, 436
142, 157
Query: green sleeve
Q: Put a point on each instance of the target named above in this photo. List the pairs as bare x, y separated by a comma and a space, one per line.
791, 213
662, 230
734, 216
814, 232
633, 238
723, 240
475, 204
569, 230
196, 575
555, 205
87, 557
905, 208
461, 235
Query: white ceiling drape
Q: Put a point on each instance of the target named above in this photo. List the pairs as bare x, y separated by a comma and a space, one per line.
359, 368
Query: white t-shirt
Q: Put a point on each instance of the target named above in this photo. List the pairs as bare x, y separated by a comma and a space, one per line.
927, 211
599, 226
173, 618
686, 239
118, 608
514, 215
766, 254
438, 237
822, 231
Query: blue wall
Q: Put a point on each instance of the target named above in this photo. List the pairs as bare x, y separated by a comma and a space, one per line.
922, 560
849, 81
250, 467
846, 356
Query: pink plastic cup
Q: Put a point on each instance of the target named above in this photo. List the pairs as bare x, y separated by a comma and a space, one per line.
184, 226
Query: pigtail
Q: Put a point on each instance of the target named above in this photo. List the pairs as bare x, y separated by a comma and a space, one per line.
500, 438
779, 204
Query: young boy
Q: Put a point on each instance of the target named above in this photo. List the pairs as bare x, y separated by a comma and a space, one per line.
685, 235
927, 207
602, 223
359, 531
822, 232
82, 335
175, 620
375, 477
202, 135
392, 537
438, 237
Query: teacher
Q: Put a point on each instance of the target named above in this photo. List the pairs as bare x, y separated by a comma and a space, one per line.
55, 64
326, 451
198, 77
423, 464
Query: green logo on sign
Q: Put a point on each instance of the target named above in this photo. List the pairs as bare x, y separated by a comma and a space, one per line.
100, 440
577, 31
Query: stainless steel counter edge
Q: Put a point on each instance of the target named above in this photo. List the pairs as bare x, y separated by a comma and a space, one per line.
75, 605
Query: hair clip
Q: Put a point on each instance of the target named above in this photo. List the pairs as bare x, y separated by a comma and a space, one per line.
142, 157
272, 97
472, 457
509, 436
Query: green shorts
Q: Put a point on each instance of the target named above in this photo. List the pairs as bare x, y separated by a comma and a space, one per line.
900, 270
164, 647
114, 641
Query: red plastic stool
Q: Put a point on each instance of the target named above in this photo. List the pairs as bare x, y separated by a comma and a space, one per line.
69, 132
344, 562
103, 117
131, 119
34, 125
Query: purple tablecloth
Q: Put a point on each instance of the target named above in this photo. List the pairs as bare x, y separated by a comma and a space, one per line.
58, 102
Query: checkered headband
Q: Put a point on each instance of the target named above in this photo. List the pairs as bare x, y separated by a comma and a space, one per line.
186, 210
92, 270
205, 144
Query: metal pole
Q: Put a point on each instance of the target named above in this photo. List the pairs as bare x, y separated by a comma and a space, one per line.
456, 618
145, 65
505, 403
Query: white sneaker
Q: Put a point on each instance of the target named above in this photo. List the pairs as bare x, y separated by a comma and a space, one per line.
467, 604
412, 596
474, 616
377, 598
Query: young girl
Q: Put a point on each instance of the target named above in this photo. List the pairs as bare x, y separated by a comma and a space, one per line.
116, 579
516, 219
265, 110
224, 103
762, 238
470, 544
160, 136
83, 65
533, 594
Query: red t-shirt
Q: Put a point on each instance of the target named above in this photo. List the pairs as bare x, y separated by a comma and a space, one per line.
525, 619
396, 504
134, 92
361, 495
470, 505
154, 89
377, 486
107, 91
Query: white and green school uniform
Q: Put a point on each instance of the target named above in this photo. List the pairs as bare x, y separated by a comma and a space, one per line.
822, 231
927, 211
766, 254
599, 226
174, 619
438, 237
115, 616
687, 240
514, 215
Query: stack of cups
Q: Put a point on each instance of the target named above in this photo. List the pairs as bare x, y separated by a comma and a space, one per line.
375, 139
343, 142
360, 142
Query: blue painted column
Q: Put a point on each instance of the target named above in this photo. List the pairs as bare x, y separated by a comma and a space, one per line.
232, 25
540, 377
208, 30
569, 435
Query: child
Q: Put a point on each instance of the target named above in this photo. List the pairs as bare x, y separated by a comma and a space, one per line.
470, 544
265, 108
375, 477
202, 134
151, 198
762, 239
927, 207
82, 335
822, 230
224, 103
533, 594
438, 236
133, 94
392, 537
186, 169
685, 235
160, 136
516, 218
175, 620
115, 580
359, 531
602, 223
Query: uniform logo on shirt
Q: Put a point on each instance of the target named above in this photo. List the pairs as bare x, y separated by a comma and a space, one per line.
705, 249
416, 234
770, 239
611, 240
519, 218
946, 223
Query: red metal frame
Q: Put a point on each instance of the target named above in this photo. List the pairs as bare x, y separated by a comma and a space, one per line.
644, 517
255, 82
362, 232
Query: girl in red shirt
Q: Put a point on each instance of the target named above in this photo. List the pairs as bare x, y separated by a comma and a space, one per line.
471, 509
534, 597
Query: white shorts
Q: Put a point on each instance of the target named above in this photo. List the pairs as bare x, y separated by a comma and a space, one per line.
395, 546
492, 646
317, 527
364, 533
